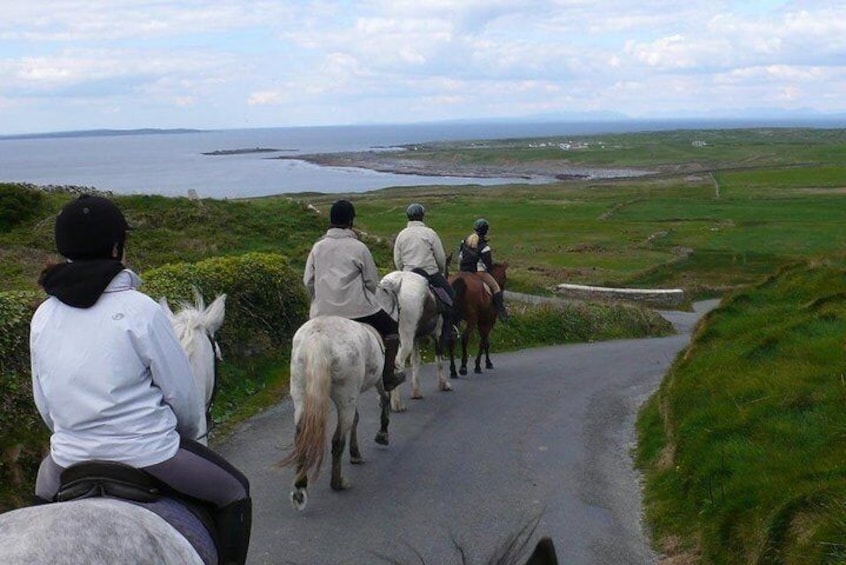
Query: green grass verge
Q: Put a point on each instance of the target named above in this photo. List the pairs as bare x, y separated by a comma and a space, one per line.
743, 445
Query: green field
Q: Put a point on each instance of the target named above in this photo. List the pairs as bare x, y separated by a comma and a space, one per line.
743, 445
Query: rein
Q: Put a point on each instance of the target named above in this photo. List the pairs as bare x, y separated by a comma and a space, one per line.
216, 360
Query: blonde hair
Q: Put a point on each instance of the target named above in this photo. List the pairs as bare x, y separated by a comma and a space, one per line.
472, 240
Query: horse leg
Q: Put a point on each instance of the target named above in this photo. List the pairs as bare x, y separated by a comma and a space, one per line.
299, 496
385, 407
443, 383
397, 404
453, 374
465, 341
355, 453
487, 347
415, 372
346, 417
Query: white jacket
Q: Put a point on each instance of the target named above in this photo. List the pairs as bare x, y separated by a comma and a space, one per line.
418, 246
341, 276
112, 381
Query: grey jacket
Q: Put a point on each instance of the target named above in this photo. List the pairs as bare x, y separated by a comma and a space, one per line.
341, 276
418, 246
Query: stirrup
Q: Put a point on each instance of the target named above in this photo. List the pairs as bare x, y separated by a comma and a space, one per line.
390, 382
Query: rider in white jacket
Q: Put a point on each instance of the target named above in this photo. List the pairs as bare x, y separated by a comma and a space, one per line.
418, 248
112, 382
340, 277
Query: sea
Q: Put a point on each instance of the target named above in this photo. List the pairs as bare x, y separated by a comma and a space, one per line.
172, 164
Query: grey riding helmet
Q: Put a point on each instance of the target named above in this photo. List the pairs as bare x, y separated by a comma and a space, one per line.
415, 211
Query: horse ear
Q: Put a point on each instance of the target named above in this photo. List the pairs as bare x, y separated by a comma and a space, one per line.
199, 303
214, 314
166, 307
544, 553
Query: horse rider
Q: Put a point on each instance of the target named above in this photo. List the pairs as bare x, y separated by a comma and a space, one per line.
418, 248
341, 278
112, 382
475, 256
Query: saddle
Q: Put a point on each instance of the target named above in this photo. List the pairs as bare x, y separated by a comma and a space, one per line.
443, 299
109, 479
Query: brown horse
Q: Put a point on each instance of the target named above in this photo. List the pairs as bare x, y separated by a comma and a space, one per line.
474, 300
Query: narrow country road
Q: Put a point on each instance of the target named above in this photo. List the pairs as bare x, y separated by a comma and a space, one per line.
547, 433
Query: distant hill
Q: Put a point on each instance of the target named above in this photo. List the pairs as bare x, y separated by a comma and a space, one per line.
99, 133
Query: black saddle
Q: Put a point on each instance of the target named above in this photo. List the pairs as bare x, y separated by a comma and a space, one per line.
192, 518
442, 296
106, 478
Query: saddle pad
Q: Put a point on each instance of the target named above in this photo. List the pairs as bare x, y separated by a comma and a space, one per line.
187, 524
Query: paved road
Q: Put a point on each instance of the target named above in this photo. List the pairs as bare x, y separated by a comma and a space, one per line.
547, 433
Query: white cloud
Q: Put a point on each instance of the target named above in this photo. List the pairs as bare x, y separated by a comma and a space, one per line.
384, 60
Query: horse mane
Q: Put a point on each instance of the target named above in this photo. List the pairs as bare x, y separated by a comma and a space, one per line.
195, 317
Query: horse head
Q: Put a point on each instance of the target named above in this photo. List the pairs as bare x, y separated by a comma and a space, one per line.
498, 272
195, 326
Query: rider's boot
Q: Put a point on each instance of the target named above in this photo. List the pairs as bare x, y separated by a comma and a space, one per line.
233, 523
391, 378
38, 501
500, 307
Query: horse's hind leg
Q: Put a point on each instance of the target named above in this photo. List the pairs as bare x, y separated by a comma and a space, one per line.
415, 372
465, 341
355, 453
453, 374
346, 417
443, 383
487, 348
385, 416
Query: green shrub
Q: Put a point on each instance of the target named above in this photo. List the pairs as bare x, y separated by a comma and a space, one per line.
265, 304
22, 435
19, 203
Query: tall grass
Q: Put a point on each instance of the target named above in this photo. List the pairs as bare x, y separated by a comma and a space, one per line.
744, 443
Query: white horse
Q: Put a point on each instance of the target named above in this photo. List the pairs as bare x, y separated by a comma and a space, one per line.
332, 359
109, 530
195, 326
419, 320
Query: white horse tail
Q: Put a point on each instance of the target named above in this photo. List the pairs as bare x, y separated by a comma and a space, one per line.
310, 439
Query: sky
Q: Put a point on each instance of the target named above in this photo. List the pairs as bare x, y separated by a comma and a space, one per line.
125, 64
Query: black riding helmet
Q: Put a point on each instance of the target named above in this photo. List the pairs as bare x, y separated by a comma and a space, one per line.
89, 228
481, 226
415, 211
342, 213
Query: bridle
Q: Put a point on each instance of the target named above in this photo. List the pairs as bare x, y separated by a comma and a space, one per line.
216, 360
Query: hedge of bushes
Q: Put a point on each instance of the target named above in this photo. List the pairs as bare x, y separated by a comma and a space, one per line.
265, 304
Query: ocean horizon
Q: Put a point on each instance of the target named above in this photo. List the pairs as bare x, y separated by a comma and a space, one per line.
218, 163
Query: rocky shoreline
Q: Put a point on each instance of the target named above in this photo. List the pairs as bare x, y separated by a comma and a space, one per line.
399, 163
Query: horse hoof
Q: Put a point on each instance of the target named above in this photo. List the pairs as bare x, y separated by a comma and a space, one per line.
343, 484
478, 370
488, 365
299, 498
463, 370
453, 375
398, 408
446, 387
382, 438
417, 396
358, 460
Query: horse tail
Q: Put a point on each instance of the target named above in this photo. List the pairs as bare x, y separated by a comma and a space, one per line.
459, 286
310, 438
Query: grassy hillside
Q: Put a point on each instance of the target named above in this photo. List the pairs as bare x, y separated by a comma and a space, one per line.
743, 445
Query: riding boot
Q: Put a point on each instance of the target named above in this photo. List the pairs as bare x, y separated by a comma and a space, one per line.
233, 523
500, 307
38, 501
391, 378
